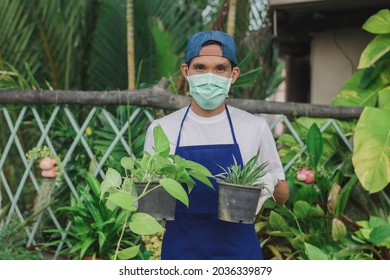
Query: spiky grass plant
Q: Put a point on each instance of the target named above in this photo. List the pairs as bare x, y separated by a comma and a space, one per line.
247, 175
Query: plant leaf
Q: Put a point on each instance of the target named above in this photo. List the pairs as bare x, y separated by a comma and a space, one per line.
371, 157
384, 98
380, 234
175, 189
302, 209
94, 183
352, 94
161, 142
339, 230
306, 193
165, 44
114, 177
144, 224
315, 145
277, 222
315, 253
128, 253
378, 23
376, 49
105, 186
123, 200
127, 163
345, 192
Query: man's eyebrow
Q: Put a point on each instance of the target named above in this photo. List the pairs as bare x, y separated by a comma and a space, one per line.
224, 64
197, 64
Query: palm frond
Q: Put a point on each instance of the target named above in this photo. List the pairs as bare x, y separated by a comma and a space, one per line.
60, 35
16, 35
107, 61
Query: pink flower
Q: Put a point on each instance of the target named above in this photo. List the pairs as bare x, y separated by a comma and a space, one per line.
305, 175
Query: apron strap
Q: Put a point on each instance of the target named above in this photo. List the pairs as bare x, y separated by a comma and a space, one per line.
231, 125
181, 126
229, 119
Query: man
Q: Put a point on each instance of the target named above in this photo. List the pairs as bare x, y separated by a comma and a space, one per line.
213, 134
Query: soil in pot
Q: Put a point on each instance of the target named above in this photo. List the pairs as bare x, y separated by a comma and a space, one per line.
157, 203
238, 203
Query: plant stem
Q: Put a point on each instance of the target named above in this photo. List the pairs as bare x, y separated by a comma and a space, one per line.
121, 236
296, 221
146, 191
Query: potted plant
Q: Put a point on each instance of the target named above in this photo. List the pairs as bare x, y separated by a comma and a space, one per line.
150, 184
239, 191
158, 178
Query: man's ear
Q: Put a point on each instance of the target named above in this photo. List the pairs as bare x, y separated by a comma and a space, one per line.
236, 73
184, 70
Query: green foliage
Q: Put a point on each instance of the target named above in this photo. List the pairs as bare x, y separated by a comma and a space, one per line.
161, 32
106, 53
378, 24
166, 46
247, 175
318, 226
374, 234
144, 224
16, 34
376, 231
372, 153
163, 165
247, 79
94, 228
13, 240
371, 156
170, 171
49, 36
315, 145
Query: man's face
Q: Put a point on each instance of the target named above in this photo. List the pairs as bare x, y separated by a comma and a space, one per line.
211, 64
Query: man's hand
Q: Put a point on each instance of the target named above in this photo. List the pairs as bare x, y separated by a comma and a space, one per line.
269, 182
277, 189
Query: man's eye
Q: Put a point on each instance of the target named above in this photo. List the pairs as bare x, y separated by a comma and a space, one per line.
221, 69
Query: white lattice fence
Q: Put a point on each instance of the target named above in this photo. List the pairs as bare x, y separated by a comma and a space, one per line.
66, 132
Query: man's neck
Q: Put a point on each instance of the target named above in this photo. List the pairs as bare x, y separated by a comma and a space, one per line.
206, 113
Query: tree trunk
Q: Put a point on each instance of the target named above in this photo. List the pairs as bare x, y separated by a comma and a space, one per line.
231, 23
158, 97
130, 45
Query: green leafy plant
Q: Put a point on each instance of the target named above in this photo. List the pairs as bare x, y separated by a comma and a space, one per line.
239, 190
369, 87
13, 240
247, 175
94, 228
375, 233
170, 171
317, 226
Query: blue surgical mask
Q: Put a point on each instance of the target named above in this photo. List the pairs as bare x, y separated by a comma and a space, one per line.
209, 90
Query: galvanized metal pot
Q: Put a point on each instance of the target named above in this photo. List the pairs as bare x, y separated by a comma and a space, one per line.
237, 203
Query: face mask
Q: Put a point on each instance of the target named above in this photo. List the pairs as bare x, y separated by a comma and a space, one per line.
209, 90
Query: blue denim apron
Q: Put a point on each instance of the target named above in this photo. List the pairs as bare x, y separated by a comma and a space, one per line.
196, 232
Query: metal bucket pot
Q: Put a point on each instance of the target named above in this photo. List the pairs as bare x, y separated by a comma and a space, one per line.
237, 203
158, 203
